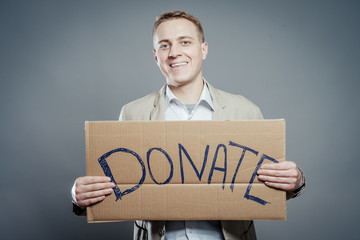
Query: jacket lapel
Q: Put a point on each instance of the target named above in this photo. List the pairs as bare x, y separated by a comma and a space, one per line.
158, 112
219, 108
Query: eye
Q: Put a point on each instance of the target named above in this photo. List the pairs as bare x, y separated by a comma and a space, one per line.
164, 46
185, 42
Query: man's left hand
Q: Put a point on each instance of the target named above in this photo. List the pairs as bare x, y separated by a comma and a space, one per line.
284, 176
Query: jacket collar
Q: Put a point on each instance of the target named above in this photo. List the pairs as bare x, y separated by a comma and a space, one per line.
158, 112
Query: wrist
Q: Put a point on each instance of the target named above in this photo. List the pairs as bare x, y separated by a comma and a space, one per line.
296, 192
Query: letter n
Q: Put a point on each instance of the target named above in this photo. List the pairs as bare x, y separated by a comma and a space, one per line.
183, 150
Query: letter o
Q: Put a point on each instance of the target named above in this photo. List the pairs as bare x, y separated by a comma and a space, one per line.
169, 160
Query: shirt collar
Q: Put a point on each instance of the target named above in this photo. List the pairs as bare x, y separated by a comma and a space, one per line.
205, 96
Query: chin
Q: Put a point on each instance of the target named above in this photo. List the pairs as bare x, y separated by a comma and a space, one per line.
181, 79
179, 82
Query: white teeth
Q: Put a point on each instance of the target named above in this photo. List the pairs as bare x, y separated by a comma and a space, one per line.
178, 64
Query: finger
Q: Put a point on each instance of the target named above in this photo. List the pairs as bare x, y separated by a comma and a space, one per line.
92, 179
284, 180
280, 186
279, 166
93, 187
278, 173
94, 194
91, 201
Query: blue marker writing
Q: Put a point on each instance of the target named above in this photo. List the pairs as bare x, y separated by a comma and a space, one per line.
105, 167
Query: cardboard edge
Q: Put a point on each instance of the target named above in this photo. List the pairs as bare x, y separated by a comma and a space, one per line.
90, 215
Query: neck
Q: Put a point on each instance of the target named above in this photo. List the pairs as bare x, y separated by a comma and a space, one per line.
189, 93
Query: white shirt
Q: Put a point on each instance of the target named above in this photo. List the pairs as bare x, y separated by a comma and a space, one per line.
176, 110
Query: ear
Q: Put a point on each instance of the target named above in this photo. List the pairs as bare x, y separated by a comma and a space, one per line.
155, 56
204, 49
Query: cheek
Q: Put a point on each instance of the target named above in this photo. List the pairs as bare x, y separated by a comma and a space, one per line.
163, 65
162, 59
200, 57
197, 55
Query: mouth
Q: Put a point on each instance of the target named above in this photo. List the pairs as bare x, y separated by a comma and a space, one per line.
174, 65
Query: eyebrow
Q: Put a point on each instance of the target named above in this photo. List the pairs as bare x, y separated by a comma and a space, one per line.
179, 38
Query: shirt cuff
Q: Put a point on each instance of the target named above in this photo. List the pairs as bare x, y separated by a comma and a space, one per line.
80, 211
73, 194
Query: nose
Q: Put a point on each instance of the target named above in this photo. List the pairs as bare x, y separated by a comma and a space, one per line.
174, 51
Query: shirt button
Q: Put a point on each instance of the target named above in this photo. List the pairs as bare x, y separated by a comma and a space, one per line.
161, 232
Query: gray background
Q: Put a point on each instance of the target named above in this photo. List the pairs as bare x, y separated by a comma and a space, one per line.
65, 62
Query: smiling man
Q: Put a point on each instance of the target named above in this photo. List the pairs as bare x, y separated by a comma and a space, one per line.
179, 51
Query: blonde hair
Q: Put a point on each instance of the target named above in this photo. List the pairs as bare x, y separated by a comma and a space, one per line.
179, 15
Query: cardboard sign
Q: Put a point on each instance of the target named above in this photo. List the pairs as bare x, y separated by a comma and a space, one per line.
185, 170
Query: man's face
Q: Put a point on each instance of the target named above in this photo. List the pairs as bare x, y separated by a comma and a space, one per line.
179, 52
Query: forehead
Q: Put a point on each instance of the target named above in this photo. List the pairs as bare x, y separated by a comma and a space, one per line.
175, 28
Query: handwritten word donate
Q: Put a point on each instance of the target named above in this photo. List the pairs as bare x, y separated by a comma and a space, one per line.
182, 152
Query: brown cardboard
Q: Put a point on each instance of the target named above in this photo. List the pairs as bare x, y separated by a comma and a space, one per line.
167, 195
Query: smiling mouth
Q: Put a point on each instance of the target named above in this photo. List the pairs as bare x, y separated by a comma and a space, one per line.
178, 64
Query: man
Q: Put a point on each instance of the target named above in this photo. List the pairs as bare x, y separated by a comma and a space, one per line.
179, 50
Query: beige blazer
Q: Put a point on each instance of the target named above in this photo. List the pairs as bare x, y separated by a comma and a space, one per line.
226, 107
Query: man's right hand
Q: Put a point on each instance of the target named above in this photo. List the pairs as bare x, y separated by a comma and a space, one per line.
92, 189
